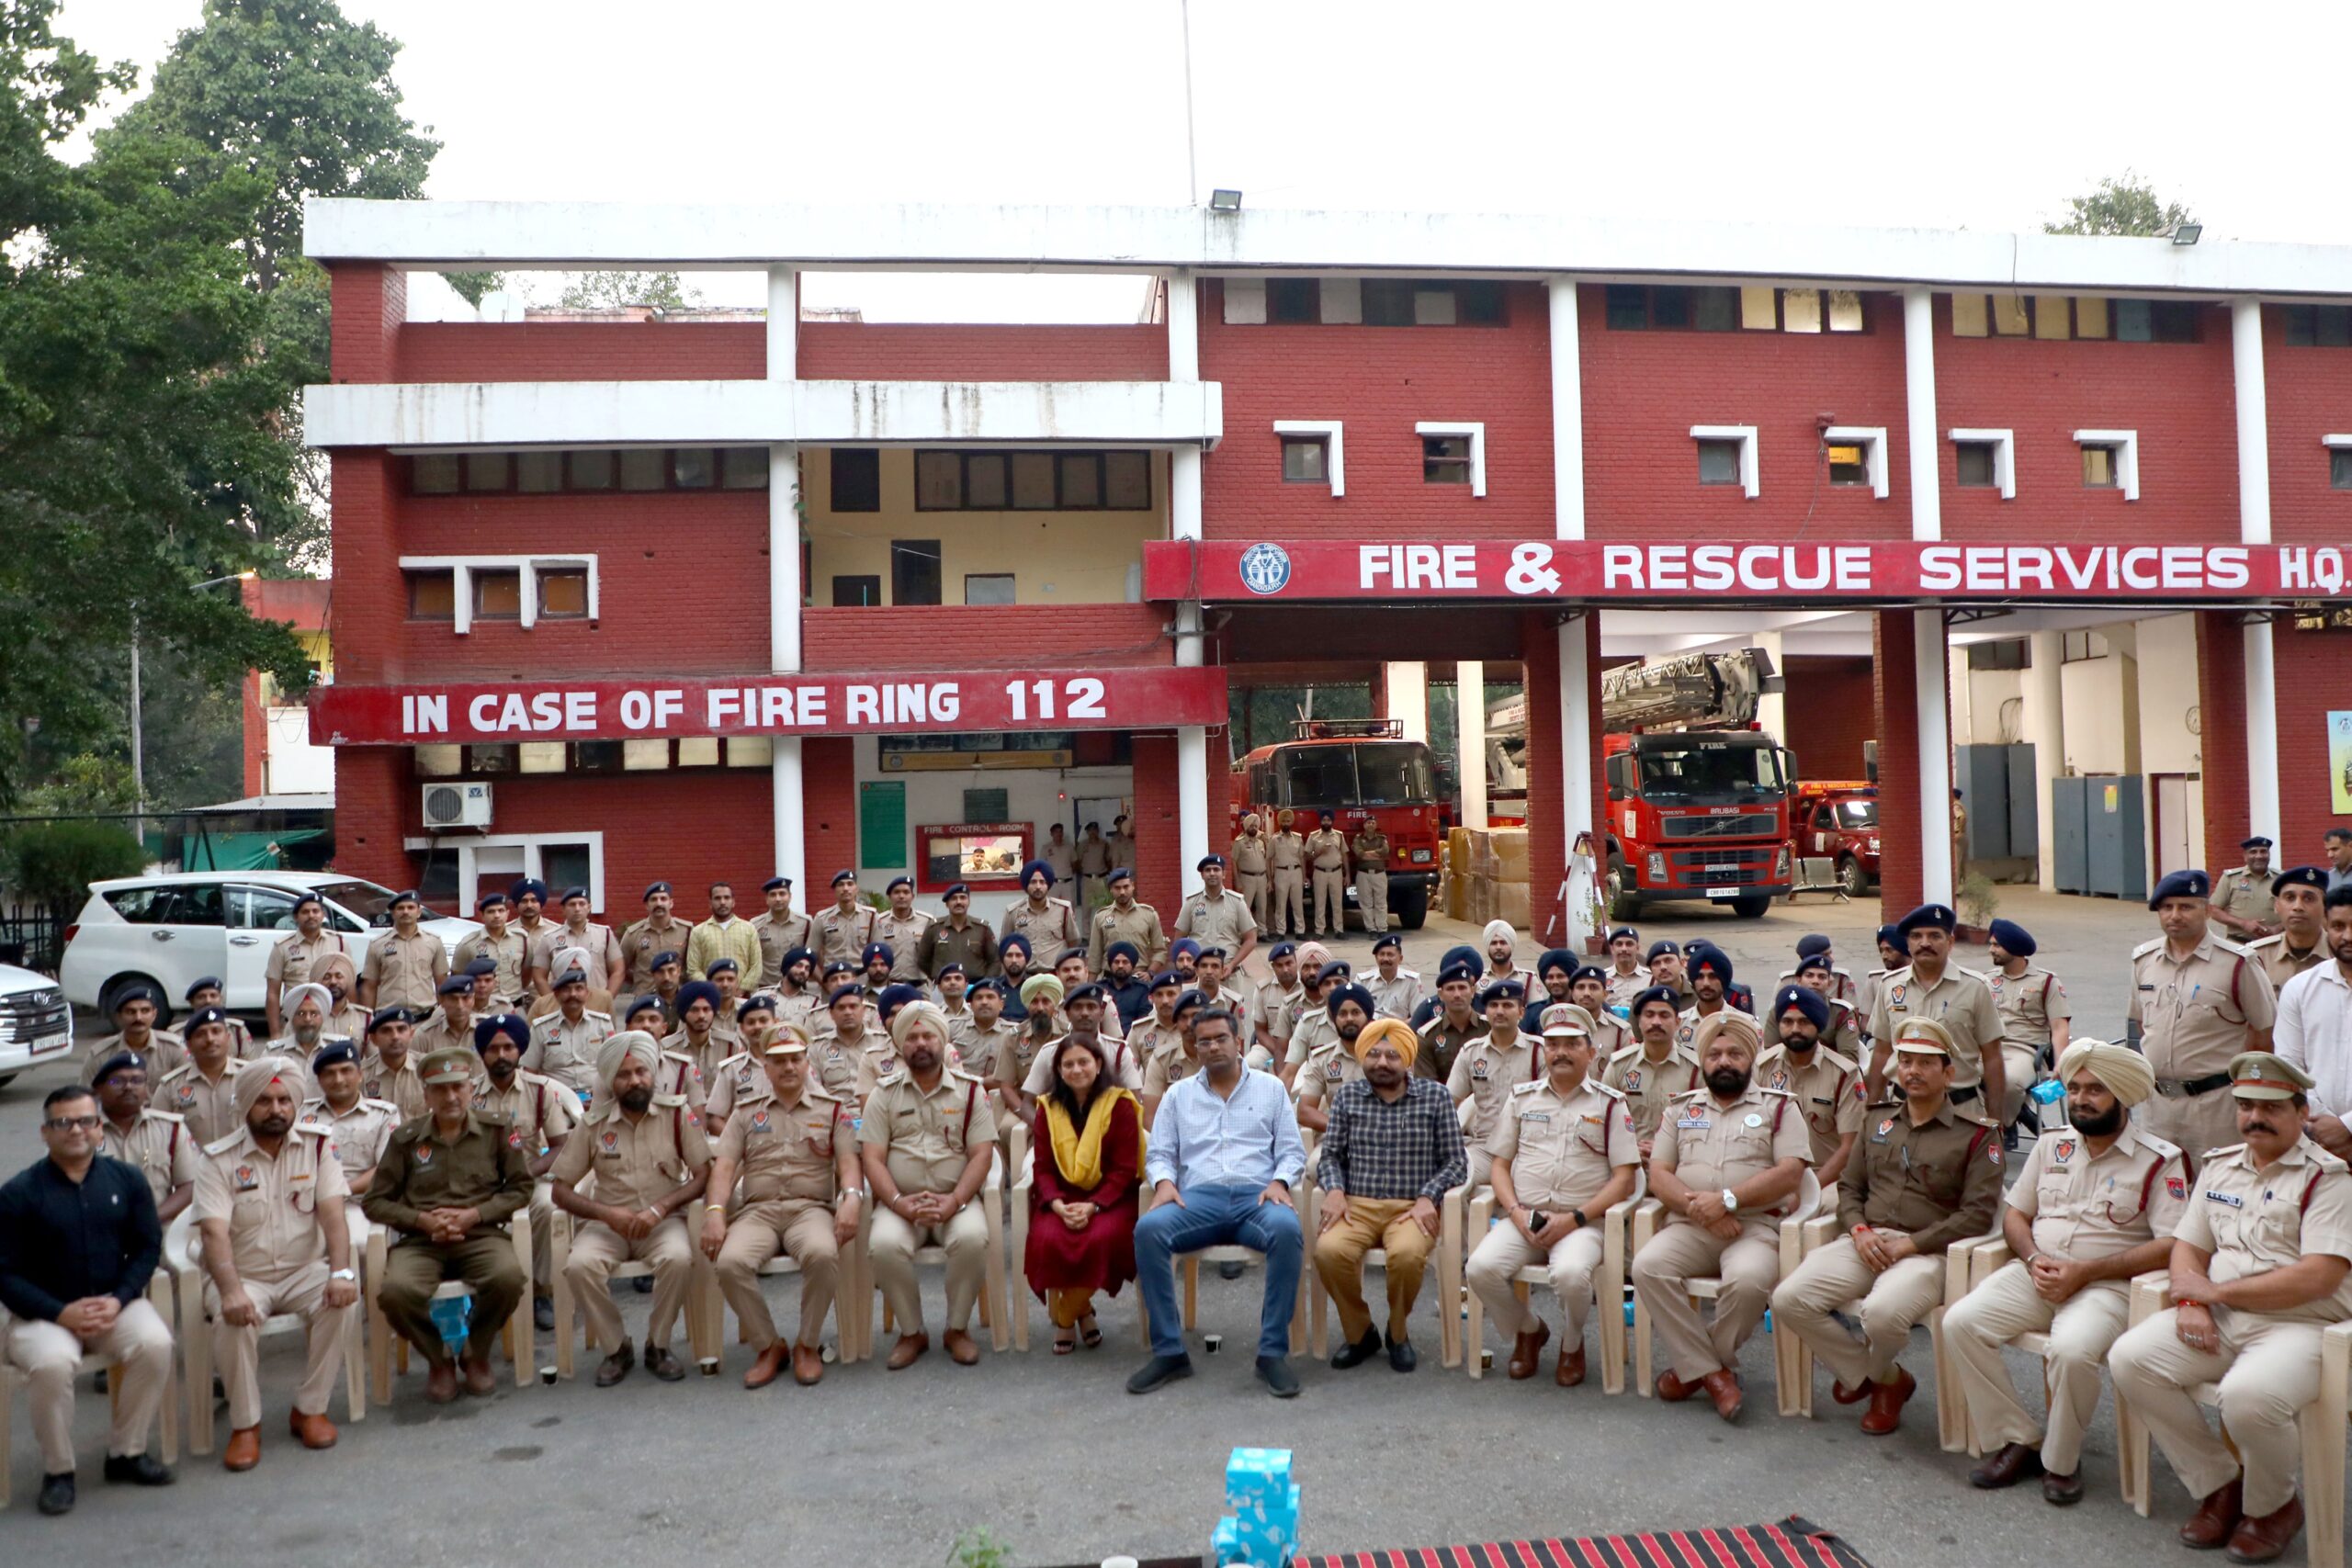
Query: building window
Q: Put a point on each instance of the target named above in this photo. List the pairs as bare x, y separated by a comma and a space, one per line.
2073, 648
2339, 461
1305, 460
694, 467
587, 470
563, 594
743, 467
498, 595
596, 756
435, 473
2111, 460
1718, 462
1371, 301
488, 472
2008, 653
1430, 303
1634, 306
1985, 459
644, 469
1848, 464
914, 571
432, 595
1294, 301
1727, 456
2318, 326
592, 470
856, 478
1845, 311
462, 588
1973, 462
859, 591
1799, 310
492, 761
2155, 321
1312, 452
2099, 467
1081, 480
1445, 459
987, 588
1857, 457
1033, 481
1126, 481
539, 473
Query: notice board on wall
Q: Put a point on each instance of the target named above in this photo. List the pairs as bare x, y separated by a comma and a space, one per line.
882, 825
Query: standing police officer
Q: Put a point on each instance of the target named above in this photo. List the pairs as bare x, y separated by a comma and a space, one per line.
2197, 1001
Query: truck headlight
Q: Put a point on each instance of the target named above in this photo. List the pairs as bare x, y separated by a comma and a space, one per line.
1780, 867
1656, 866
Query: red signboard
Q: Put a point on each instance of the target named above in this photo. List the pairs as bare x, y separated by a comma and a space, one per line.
826, 704
1236, 571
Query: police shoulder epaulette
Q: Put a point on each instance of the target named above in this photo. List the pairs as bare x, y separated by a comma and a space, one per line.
2164, 1149
1784, 1094
592, 1012
815, 1090
960, 1073
669, 1102
1597, 1086
2260, 943
381, 1104
1530, 1087
2145, 948
676, 1055
1837, 1059
1624, 1053
166, 1115
2328, 1162
222, 1146
2224, 1149
2226, 945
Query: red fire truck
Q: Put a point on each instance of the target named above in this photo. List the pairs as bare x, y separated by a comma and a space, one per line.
1698, 794
1349, 772
1837, 820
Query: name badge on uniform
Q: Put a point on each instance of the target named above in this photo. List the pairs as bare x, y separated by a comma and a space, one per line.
1693, 1123
1527, 1116
2232, 1199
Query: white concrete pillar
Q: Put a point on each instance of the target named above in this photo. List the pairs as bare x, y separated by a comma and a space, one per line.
2263, 811
1567, 413
1470, 739
2045, 724
1929, 662
1577, 811
1773, 708
1191, 740
1919, 395
1184, 328
785, 588
1409, 697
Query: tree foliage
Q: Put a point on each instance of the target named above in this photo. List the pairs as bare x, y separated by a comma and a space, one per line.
2125, 206
472, 286
54, 863
611, 290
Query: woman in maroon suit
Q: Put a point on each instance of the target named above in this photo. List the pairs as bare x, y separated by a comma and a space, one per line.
1089, 1148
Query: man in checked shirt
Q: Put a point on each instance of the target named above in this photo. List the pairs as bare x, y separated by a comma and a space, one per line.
1391, 1155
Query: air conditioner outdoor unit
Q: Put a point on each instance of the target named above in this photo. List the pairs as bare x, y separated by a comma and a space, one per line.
453, 805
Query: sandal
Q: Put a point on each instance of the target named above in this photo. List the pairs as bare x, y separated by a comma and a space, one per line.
1064, 1344
1089, 1334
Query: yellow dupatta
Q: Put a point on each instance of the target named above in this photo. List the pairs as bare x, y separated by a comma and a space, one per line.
1078, 1154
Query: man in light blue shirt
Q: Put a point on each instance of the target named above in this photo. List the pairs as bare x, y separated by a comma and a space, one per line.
1225, 1153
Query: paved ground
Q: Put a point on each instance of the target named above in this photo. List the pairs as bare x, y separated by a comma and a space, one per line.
1050, 1454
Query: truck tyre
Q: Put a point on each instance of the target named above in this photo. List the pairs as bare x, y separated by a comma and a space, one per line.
1624, 903
123, 985
1751, 906
1409, 908
1852, 877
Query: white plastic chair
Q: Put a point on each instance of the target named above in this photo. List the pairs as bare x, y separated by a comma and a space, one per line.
702, 1312
12, 1379
1302, 1198
993, 1311
183, 1255
1019, 1304
1449, 1273
851, 1266
2320, 1423
1791, 1370
1608, 1285
384, 1345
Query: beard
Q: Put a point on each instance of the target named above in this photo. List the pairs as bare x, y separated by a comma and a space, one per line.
1384, 1076
1725, 1082
273, 1126
1349, 1032
1800, 1039
2103, 1126
636, 1102
307, 1034
501, 1071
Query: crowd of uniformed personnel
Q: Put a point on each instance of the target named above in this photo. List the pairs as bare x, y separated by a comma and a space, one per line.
747, 1087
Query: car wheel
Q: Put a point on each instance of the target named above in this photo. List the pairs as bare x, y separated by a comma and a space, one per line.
1751, 906
1851, 878
113, 994
1410, 908
1624, 903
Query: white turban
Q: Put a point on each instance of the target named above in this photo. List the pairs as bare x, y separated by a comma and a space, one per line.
617, 1051
903, 1022
1504, 930
568, 959
293, 999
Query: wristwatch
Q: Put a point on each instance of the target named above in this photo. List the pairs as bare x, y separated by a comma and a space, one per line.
344, 1274
1731, 1202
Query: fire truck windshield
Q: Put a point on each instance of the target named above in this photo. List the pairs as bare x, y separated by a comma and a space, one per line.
1368, 773
1710, 773
1856, 813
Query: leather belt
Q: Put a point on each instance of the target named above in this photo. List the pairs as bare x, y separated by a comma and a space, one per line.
2182, 1089
1963, 1095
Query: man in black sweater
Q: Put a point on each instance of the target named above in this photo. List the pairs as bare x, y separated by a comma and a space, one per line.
79, 1241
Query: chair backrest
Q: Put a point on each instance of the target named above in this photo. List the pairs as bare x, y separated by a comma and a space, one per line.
1808, 1196
1641, 1183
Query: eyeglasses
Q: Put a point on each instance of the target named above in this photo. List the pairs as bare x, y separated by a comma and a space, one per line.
67, 1123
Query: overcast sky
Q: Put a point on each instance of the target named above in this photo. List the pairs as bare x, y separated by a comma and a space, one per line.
1984, 117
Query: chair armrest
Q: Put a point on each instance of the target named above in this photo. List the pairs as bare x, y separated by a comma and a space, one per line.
1481, 1211
2150, 1293
179, 1241
1986, 1257
1819, 1230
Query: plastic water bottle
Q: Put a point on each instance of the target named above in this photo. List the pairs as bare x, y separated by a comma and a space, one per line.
450, 1316
2049, 1091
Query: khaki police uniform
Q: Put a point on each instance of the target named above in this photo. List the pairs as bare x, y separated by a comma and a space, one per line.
566, 1051
842, 934
1167, 1066
404, 1085
1562, 1149
1327, 858
597, 940
358, 1137
164, 1053
1276, 1010
904, 938
1610, 1034
1441, 1044
644, 942
2244, 895
926, 1137
535, 1112
1051, 930
777, 937
1313, 1031
509, 950
1252, 857
1138, 925
1650, 1085
270, 1205
159, 1143
406, 971
1938, 1182
1094, 863
2194, 1015
203, 1103
1828, 1089
1686, 1033
1372, 878
2282, 963
737, 1082
637, 1161
787, 1185
1397, 998
1485, 1073
1712, 1145
1842, 988
1062, 855
836, 1062
1286, 854
1962, 1002
702, 1058
2084, 1207
1021, 1054
2029, 1004
295, 960
1623, 988
1329, 1068
791, 1007
1219, 922
437, 1034
985, 1050
2251, 1220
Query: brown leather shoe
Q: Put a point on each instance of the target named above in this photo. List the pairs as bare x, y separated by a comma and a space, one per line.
2066, 1491
960, 1348
311, 1431
1723, 1387
1527, 1350
769, 1363
903, 1354
2215, 1517
243, 1451
2263, 1539
1887, 1400
441, 1383
1844, 1395
1568, 1370
807, 1365
2011, 1464
1672, 1389
478, 1382
615, 1367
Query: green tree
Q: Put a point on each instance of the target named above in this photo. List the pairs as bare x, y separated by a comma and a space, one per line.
472, 286
2125, 206
611, 290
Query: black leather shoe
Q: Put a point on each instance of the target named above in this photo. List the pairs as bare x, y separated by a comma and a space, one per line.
663, 1365
1229, 1269
57, 1494
543, 1313
1160, 1369
1401, 1356
140, 1470
1275, 1373
615, 1367
1357, 1353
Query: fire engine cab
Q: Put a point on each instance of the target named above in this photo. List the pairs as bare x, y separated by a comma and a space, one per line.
1348, 773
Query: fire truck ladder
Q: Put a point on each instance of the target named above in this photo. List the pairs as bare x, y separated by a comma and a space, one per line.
1690, 690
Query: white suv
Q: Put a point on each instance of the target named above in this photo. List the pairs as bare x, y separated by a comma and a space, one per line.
35, 1023
160, 934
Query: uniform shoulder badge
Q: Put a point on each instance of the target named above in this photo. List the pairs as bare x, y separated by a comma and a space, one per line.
1837, 1059
2259, 943
172, 1116
223, 1144
2147, 947
955, 1072
592, 1012
1624, 1053
1784, 1094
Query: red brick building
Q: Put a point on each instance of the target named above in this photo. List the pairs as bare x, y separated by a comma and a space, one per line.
714, 598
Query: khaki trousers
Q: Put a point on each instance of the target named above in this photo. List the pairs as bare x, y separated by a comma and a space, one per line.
597, 1249
137, 1347
543, 1237
1571, 1261
802, 1229
2268, 1371
2208, 1120
1749, 1267
416, 1267
237, 1351
1290, 904
2082, 1330
1330, 901
2017, 1061
1371, 899
1253, 885
890, 1250
1892, 1301
1339, 1262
